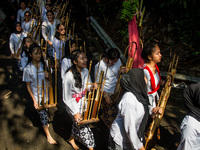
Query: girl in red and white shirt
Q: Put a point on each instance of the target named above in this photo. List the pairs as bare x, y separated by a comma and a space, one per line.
151, 54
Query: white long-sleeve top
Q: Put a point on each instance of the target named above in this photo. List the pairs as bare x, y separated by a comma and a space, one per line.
50, 29
15, 42
70, 92
28, 26
66, 63
30, 75
23, 60
111, 76
57, 44
43, 14
126, 125
190, 131
152, 97
20, 14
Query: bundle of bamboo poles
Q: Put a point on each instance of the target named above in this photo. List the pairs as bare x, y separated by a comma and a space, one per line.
49, 99
162, 102
92, 100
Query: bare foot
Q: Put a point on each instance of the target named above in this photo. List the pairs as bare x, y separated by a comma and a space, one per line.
73, 144
51, 140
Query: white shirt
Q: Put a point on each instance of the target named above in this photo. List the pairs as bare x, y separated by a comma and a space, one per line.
50, 29
69, 91
190, 134
111, 76
20, 14
15, 42
43, 14
125, 127
28, 26
59, 48
30, 75
152, 97
23, 60
66, 63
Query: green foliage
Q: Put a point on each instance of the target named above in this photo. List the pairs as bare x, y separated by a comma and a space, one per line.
185, 16
129, 8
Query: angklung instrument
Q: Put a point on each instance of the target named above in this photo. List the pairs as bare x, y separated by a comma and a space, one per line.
149, 136
92, 100
48, 99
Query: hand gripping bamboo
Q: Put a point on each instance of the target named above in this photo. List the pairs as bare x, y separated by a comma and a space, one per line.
162, 102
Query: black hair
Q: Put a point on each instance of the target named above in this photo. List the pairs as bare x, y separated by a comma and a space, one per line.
24, 48
51, 11
57, 33
77, 76
112, 53
32, 48
27, 12
147, 51
67, 50
22, 1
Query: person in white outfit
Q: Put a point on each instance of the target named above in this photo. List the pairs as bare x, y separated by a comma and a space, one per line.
27, 42
33, 81
20, 12
127, 130
49, 30
190, 126
74, 89
28, 24
113, 62
151, 55
15, 45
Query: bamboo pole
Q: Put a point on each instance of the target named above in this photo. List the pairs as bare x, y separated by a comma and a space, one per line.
55, 79
73, 31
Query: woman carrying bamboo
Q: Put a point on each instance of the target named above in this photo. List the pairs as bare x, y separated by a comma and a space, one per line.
49, 30
151, 54
33, 75
28, 24
74, 89
112, 60
15, 44
20, 12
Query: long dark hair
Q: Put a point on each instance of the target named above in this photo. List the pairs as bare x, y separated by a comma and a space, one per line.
32, 48
24, 48
57, 33
77, 76
148, 50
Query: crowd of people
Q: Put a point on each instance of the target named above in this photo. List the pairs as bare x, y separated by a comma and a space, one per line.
40, 34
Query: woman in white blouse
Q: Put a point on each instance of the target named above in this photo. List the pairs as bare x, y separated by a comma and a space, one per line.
49, 30
15, 45
20, 12
112, 60
28, 24
127, 130
74, 89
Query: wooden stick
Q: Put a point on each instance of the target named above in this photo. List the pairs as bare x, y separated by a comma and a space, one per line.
55, 79
63, 51
86, 87
84, 47
43, 103
76, 40
73, 30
